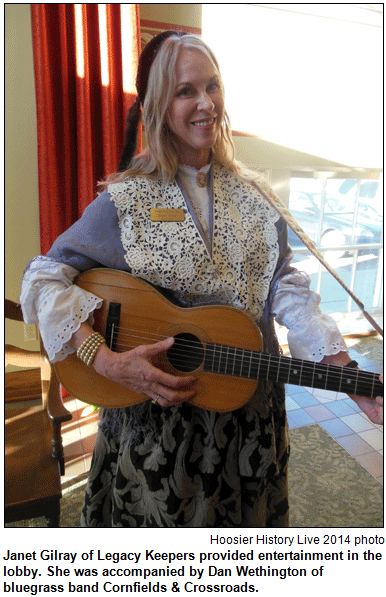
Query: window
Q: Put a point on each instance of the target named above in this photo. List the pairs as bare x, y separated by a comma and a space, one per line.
305, 76
343, 217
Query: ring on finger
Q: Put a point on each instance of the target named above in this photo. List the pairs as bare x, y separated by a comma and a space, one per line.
155, 400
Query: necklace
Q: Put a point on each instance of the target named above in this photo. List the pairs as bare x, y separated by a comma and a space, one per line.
202, 179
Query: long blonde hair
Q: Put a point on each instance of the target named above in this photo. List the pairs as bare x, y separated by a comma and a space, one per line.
160, 158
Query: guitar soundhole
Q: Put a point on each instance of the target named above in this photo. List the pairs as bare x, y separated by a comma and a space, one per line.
187, 353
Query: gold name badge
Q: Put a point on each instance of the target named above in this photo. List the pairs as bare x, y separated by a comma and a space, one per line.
167, 215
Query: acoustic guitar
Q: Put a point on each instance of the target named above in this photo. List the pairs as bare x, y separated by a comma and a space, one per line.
220, 345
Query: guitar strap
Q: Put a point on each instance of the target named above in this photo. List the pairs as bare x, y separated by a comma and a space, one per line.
277, 204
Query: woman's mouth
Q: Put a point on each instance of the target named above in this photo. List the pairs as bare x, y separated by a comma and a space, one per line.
208, 122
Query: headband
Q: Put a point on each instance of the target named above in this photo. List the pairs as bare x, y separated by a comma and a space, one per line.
133, 118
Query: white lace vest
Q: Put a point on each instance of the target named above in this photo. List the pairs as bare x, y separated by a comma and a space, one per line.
173, 255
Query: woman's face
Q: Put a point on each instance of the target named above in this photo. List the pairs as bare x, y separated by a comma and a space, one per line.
195, 114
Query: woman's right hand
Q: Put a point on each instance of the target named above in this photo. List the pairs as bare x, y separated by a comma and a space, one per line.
136, 370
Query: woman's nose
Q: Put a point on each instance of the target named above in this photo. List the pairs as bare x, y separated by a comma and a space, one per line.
205, 102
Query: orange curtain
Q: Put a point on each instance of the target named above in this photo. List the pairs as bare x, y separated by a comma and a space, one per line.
85, 58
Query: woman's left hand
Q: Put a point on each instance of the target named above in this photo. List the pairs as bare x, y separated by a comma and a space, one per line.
373, 408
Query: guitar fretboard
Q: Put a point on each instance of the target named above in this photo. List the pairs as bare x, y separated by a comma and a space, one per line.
239, 362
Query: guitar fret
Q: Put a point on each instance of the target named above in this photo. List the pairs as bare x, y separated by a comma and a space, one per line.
246, 368
301, 373
293, 372
325, 385
278, 369
268, 365
231, 356
250, 364
226, 360
219, 360
372, 386
341, 379
356, 384
289, 373
239, 357
258, 368
319, 379
240, 362
234, 362
348, 380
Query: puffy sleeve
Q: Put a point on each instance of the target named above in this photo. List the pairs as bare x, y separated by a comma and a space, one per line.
311, 334
48, 294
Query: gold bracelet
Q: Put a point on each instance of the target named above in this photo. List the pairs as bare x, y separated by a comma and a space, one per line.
88, 349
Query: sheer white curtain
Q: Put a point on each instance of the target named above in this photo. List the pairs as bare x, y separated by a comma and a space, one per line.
307, 76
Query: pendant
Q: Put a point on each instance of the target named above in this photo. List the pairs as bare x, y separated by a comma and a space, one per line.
202, 179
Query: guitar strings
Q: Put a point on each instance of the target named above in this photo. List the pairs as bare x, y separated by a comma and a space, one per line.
335, 373
362, 381
186, 343
258, 355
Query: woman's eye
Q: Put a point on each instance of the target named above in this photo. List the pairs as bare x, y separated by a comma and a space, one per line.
185, 91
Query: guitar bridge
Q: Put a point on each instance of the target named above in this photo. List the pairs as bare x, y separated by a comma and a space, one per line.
112, 324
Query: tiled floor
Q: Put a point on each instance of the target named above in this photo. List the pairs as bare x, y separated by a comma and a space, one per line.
342, 419
336, 413
79, 438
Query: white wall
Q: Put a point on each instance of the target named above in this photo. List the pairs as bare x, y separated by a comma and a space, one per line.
21, 174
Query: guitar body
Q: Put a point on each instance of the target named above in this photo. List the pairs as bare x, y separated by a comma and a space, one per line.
147, 316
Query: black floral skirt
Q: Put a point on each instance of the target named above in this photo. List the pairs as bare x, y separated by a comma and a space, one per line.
192, 468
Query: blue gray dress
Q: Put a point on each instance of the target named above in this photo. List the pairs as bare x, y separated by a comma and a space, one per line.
184, 466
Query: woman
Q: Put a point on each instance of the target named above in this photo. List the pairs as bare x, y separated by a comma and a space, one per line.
166, 462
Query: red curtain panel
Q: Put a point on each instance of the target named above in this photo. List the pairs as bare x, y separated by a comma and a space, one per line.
85, 58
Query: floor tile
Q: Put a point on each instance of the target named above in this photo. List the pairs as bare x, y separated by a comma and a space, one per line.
357, 423
305, 399
372, 462
73, 449
336, 428
374, 437
324, 395
340, 408
89, 429
71, 403
88, 444
87, 461
319, 412
291, 423
293, 391
354, 444
290, 403
76, 467
300, 417
352, 404
366, 364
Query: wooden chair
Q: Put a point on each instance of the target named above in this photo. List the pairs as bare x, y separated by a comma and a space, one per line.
34, 412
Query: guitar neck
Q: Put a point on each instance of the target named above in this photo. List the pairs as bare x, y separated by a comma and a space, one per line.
238, 362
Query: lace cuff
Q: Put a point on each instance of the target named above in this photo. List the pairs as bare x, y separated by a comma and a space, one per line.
312, 335
50, 299
315, 338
